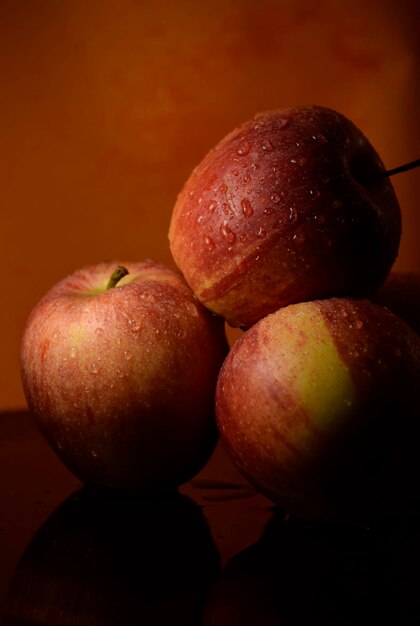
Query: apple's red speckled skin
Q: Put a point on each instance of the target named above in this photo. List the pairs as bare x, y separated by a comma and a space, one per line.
286, 208
122, 381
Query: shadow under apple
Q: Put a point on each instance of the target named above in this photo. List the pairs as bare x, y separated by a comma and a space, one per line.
321, 575
112, 558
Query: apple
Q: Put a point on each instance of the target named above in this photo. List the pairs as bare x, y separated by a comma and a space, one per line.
292, 205
318, 407
401, 294
103, 558
119, 369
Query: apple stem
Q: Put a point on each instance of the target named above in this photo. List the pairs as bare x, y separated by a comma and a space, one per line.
116, 276
401, 168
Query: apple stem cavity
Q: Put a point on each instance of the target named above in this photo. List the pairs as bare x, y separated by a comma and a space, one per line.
116, 276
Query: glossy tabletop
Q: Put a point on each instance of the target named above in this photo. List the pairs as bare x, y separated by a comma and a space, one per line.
214, 553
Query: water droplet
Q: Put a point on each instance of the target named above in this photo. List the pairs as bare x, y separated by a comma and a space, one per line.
99, 332
299, 237
268, 210
247, 207
267, 146
94, 368
282, 123
223, 188
192, 193
212, 206
358, 324
260, 232
209, 243
322, 138
292, 160
127, 355
293, 214
73, 352
120, 374
227, 233
275, 198
225, 208
314, 193
302, 161
320, 219
235, 172
134, 325
243, 237
94, 454
262, 181
243, 149
247, 178
200, 219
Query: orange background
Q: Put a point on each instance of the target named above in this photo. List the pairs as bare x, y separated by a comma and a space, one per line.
107, 105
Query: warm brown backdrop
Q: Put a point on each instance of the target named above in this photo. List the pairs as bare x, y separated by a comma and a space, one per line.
106, 105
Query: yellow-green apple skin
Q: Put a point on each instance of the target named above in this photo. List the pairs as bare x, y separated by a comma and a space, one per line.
401, 294
318, 407
288, 207
121, 381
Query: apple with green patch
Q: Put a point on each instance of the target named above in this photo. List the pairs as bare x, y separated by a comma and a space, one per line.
318, 407
292, 205
119, 367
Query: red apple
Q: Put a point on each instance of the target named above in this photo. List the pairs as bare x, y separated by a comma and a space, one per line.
288, 207
318, 407
401, 294
121, 380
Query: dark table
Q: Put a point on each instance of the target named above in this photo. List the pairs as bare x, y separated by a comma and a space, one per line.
214, 553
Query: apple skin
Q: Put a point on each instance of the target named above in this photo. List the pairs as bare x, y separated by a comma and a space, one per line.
122, 381
318, 407
283, 210
401, 294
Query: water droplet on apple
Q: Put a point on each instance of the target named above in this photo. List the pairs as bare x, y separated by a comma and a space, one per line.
73, 352
225, 208
94, 454
267, 146
314, 193
243, 149
299, 238
209, 243
275, 198
227, 233
94, 369
358, 324
192, 193
293, 214
212, 206
293, 161
235, 172
200, 219
127, 355
135, 325
260, 232
99, 332
243, 237
268, 210
247, 178
247, 207
120, 374
282, 123
223, 188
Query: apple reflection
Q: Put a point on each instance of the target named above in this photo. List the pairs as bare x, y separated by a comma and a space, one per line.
322, 576
108, 558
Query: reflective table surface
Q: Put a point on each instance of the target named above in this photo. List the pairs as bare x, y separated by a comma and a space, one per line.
214, 553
